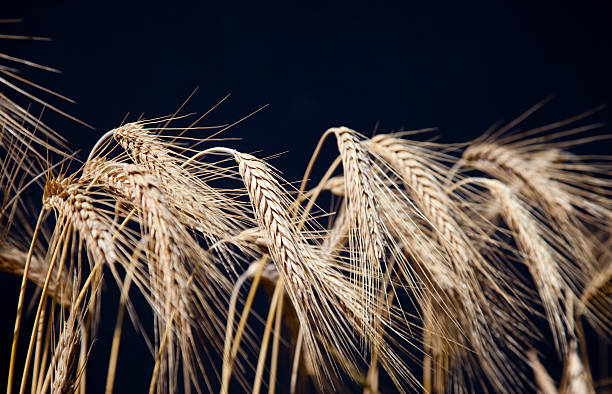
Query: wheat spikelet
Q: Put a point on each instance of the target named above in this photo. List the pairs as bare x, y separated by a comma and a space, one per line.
427, 192
575, 203
430, 271
68, 339
503, 162
267, 202
462, 280
63, 379
283, 239
135, 185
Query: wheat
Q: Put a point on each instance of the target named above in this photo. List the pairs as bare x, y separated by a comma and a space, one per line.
326, 305
365, 220
548, 194
539, 256
414, 265
64, 358
71, 201
198, 203
175, 259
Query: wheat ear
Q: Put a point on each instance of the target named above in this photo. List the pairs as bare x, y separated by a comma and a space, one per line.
176, 258
538, 255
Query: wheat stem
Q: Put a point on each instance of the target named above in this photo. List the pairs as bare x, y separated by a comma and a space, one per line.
43, 298
230, 356
275, 344
26, 269
263, 350
114, 356
297, 354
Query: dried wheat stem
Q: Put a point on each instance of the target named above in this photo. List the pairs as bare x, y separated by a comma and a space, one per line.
114, 357
263, 351
39, 342
230, 349
26, 269
276, 343
41, 304
296, 361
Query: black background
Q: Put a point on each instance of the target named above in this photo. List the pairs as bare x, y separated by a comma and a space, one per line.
459, 67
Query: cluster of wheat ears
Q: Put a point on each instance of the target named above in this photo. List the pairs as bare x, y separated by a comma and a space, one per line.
431, 269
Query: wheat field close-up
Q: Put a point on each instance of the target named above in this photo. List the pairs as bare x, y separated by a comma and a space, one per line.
159, 235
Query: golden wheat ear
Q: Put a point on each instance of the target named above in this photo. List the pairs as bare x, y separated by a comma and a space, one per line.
325, 303
441, 262
185, 283
208, 210
570, 194
538, 251
573, 192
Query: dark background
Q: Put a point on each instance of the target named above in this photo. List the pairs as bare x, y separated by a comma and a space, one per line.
459, 67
